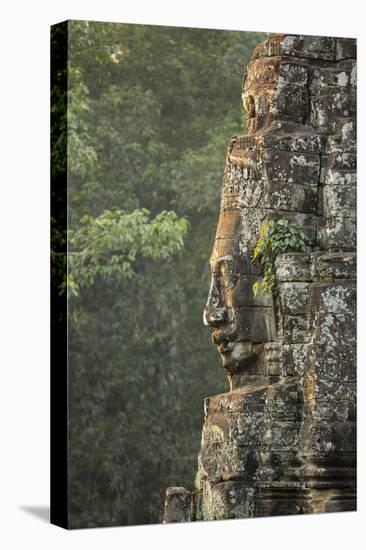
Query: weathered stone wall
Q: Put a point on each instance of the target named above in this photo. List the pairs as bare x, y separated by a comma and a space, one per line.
282, 440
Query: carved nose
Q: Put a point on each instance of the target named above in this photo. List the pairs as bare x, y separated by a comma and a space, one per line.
213, 317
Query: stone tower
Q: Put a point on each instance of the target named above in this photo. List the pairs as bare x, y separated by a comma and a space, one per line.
282, 439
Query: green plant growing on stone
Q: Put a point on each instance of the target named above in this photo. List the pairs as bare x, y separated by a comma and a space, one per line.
275, 237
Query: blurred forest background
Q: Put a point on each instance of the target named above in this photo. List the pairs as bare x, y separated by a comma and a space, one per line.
150, 114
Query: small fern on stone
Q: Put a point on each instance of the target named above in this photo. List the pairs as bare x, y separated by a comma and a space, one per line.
275, 237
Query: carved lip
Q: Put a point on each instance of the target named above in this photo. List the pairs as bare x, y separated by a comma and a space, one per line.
226, 346
222, 337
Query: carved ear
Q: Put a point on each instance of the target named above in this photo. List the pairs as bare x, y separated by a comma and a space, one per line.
249, 106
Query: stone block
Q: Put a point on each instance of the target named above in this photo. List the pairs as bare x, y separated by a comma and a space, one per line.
344, 140
333, 297
250, 194
291, 197
292, 138
279, 195
332, 103
354, 75
251, 221
328, 390
285, 404
338, 234
340, 161
256, 324
242, 400
300, 168
332, 411
296, 329
228, 461
339, 78
290, 100
294, 266
346, 48
235, 429
329, 437
293, 73
243, 294
214, 459
229, 500
248, 429
294, 298
310, 47
333, 352
281, 436
339, 201
277, 465
339, 265
337, 145
331, 176
295, 359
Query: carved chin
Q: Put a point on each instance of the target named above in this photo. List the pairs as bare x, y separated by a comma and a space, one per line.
240, 356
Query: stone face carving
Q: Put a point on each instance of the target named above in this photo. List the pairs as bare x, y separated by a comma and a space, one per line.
282, 440
242, 323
